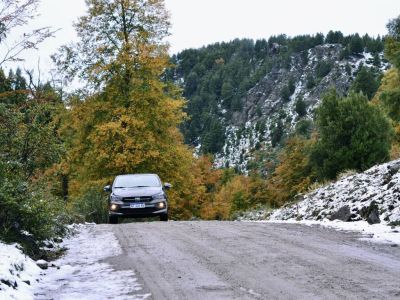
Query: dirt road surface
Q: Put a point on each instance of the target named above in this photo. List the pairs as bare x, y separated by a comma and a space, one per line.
240, 260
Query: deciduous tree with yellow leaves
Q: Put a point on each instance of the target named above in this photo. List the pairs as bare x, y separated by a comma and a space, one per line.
129, 123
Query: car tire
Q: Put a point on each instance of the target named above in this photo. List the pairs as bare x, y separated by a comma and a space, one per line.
164, 217
113, 220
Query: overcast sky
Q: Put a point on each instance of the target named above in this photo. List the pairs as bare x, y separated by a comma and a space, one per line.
200, 22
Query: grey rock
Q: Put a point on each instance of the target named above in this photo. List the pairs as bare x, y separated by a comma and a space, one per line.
386, 178
394, 168
373, 214
42, 264
391, 184
58, 240
342, 214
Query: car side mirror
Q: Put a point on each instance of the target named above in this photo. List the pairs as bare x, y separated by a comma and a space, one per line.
107, 188
167, 186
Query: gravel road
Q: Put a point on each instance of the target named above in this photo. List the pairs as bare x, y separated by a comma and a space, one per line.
240, 260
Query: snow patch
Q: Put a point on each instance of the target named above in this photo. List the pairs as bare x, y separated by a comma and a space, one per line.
378, 186
83, 274
380, 233
360, 200
18, 273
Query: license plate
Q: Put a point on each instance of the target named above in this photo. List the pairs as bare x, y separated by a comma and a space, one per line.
137, 205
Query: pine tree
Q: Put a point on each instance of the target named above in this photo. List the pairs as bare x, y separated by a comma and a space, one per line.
277, 133
353, 134
356, 44
366, 82
301, 107
334, 37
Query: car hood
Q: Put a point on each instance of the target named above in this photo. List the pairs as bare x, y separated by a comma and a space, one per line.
137, 192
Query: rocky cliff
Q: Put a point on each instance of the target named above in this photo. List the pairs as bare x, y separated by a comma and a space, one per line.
281, 91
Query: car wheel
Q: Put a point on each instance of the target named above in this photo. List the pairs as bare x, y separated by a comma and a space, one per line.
164, 217
113, 220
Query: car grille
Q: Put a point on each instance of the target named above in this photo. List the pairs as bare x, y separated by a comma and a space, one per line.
138, 199
137, 211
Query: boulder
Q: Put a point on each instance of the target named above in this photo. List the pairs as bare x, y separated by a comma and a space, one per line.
371, 213
42, 264
373, 217
394, 168
342, 214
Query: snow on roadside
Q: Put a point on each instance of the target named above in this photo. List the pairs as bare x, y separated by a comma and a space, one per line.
352, 198
18, 273
83, 274
366, 202
380, 233
80, 274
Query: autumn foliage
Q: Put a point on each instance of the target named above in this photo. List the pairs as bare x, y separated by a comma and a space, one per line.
294, 173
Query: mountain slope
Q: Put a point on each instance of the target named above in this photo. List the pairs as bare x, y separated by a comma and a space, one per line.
245, 97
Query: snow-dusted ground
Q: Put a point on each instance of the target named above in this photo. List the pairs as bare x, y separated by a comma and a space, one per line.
380, 233
79, 274
378, 186
351, 203
83, 275
18, 273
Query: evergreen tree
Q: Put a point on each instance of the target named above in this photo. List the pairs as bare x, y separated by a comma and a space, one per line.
377, 60
334, 37
319, 39
310, 82
213, 140
288, 89
345, 53
323, 68
356, 45
277, 133
301, 107
29, 146
353, 134
366, 82
261, 48
347, 68
5, 85
304, 128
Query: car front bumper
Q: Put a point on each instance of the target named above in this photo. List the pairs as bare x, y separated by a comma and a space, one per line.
150, 210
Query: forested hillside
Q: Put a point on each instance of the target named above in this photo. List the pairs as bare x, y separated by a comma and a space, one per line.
246, 97
267, 120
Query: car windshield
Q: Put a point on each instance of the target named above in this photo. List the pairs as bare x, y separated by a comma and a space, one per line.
129, 181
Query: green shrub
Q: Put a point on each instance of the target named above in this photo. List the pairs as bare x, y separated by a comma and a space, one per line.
353, 134
28, 213
323, 68
92, 206
301, 107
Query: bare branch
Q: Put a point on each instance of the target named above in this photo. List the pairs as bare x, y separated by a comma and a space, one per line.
14, 14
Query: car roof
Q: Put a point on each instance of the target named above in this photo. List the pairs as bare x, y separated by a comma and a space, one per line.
139, 174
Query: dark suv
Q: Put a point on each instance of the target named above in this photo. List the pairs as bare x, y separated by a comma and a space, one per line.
137, 195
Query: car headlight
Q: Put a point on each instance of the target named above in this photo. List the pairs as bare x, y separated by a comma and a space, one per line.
115, 198
161, 205
159, 196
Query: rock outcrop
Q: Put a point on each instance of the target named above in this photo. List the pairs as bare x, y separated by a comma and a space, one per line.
372, 196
